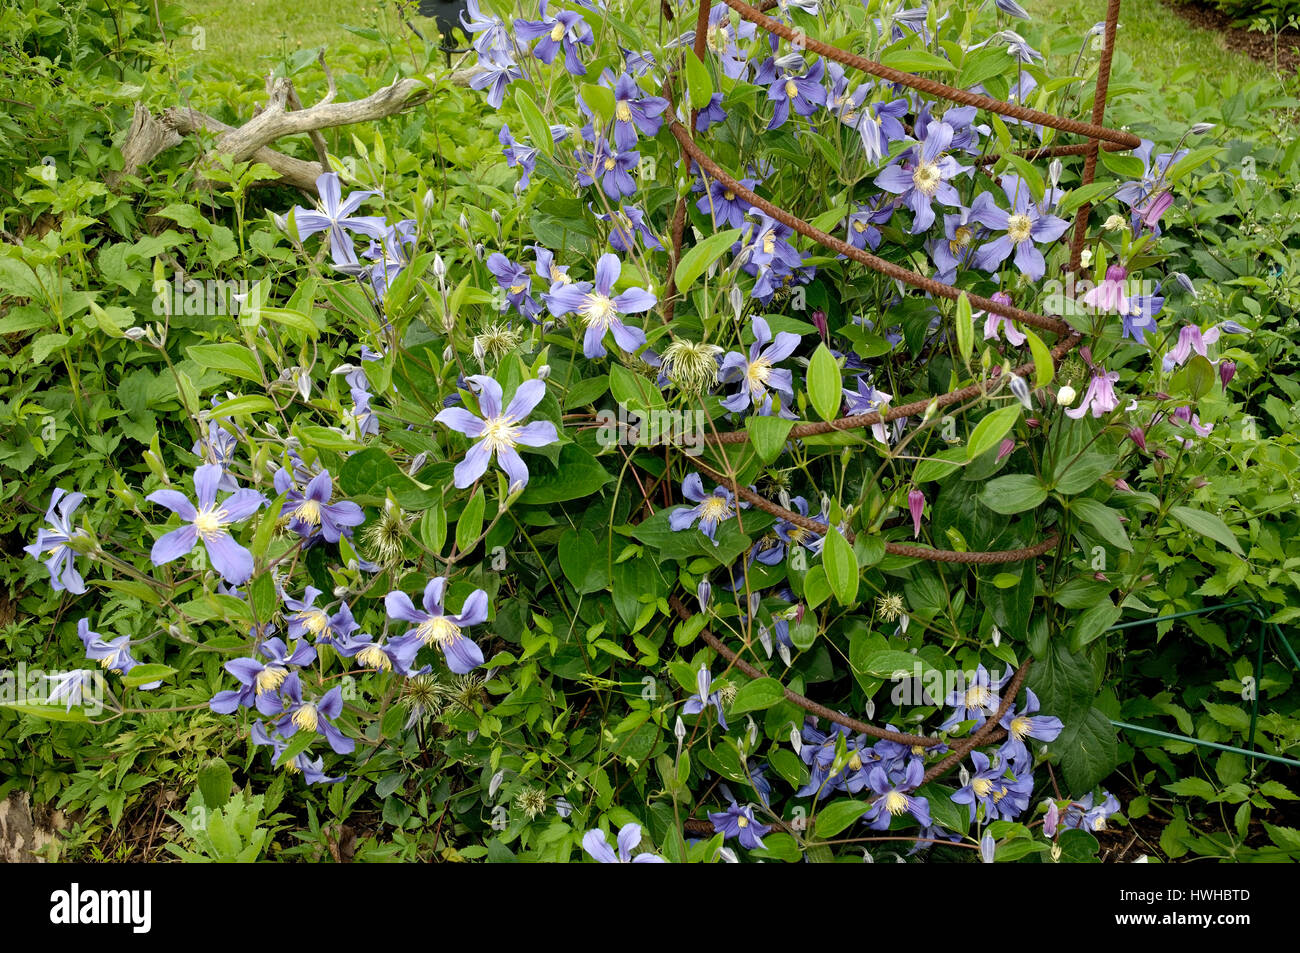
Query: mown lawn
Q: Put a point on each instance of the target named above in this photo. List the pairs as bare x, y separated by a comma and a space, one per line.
251, 36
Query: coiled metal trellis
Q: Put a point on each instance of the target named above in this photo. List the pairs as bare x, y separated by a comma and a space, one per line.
1096, 134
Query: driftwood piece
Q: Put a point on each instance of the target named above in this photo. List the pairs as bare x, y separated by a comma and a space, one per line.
283, 115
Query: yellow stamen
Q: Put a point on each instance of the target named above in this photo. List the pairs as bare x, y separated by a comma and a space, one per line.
622, 111
372, 656
1018, 227
210, 522
557, 32
981, 787
308, 511
895, 803
270, 678
757, 374
926, 177
438, 630
305, 718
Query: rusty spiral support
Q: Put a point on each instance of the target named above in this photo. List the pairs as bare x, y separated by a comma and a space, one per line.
1098, 136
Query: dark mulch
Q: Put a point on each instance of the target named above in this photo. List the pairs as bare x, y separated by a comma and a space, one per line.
1259, 46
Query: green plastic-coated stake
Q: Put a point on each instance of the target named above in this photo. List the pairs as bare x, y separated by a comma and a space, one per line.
1264, 630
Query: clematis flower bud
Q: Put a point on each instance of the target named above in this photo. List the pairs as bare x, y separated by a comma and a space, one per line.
1066, 395
916, 506
1139, 437
1227, 371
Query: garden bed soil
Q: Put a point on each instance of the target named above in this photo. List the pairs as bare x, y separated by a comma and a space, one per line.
1258, 46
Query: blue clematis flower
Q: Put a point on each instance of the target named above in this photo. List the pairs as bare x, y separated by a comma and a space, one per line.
1027, 724
306, 618
261, 678
613, 168
70, 686
1023, 229
596, 843
299, 715
337, 216
738, 821
495, 73
921, 175
498, 432
565, 31
313, 772
976, 700
111, 654
792, 85
633, 111
383, 655
710, 511
895, 797
515, 281
517, 154
311, 514
52, 544
758, 372
1083, 815
600, 312
434, 626
209, 522
696, 703
711, 114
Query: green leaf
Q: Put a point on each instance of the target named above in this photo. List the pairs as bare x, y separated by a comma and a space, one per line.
228, 358
757, 695
470, 525
917, 61
1013, 493
1076, 474
600, 99
1191, 787
824, 383
988, 433
768, 435
965, 327
263, 597
538, 129
1083, 195
1089, 751
369, 475
295, 320
1044, 369
48, 712
697, 261
578, 475
841, 567
242, 406
636, 393
837, 815
1094, 623
144, 674
1207, 524
891, 663
1104, 520
699, 84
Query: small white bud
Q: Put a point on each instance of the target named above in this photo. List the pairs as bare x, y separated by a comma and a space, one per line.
1201, 128
1065, 396
544, 372
135, 333
429, 200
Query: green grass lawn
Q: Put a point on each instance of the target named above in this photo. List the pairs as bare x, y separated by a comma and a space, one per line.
245, 38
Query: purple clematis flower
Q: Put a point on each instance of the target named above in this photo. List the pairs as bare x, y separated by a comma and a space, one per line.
1191, 340
208, 522
737, 821
299, 715
792, 534
711, 114
434, 626
337, 216
614, 169
385, 655
863, 221
596, 843
310, 512
495, 73
313, 772
1023, 228
70, 686
497, 432
218, 447
517, 154
868, 400
758, 373
491, 37
995, 322
792, 85
111, 654
712, 510
921, 175
257, 679
565, 31
982, 787
308, 619
895, 798
1081, 814
515, 281
975, 699
1099, 398
52, 544
1027, 724
634, 110
722, 205
696, 703
1149, 197
881, 124
627, 224
600, 312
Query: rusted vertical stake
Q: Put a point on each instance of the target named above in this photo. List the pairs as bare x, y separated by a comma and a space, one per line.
1098, 114
679, 213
